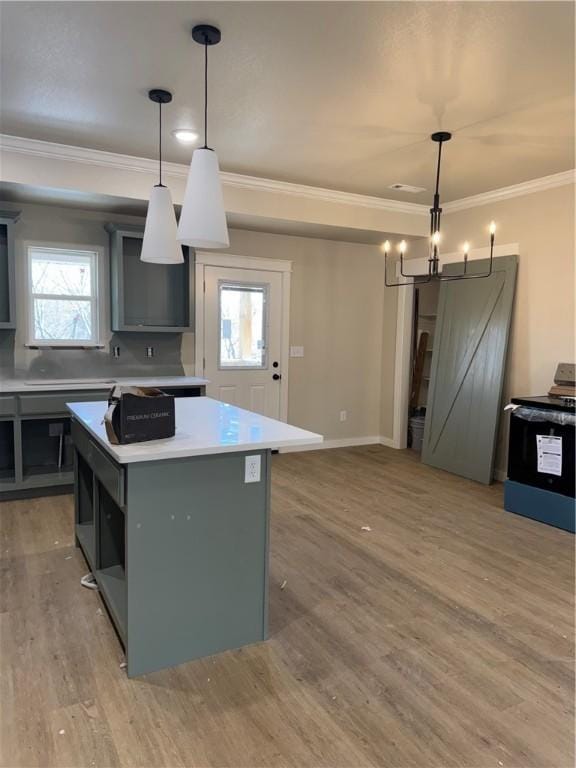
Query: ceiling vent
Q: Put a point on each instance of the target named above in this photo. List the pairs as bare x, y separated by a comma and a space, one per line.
407, 188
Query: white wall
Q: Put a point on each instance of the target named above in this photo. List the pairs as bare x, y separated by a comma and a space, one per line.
336, 315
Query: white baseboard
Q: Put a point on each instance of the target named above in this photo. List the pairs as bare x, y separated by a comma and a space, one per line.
343, 442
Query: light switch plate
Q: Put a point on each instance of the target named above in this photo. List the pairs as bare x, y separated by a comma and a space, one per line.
296, 351
252, 467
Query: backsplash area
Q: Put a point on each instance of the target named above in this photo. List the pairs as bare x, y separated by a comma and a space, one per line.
96, 363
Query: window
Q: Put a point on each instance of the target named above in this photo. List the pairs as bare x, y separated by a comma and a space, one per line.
63, 296
242, 325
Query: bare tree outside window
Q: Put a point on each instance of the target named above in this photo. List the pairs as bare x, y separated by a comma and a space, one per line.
63, 296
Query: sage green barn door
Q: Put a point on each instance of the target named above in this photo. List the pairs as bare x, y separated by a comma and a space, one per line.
467, 372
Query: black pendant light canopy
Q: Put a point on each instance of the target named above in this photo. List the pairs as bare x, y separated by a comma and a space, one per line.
434, 273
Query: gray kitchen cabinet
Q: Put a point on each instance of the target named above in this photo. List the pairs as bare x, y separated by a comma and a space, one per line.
7, 288
36, 452
148, 297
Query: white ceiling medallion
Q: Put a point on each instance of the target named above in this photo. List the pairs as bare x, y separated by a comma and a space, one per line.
160, 245
203, 219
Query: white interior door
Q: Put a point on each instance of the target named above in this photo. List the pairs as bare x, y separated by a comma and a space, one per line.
243, 337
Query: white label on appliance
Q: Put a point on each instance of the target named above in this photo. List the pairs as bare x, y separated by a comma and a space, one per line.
549, 454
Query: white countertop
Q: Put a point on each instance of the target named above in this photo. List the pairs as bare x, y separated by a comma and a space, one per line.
203, 426
22, 386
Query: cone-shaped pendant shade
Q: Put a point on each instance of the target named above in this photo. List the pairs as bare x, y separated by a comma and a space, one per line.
203, 220
160, 245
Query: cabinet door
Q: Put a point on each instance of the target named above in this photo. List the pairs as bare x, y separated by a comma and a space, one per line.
148, 297
7, 290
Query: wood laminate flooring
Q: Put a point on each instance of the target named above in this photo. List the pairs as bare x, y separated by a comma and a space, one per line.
443, 636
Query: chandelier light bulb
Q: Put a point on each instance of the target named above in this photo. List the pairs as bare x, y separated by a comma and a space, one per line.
436, 238
402, 247
492, 227
386, 246
466, 247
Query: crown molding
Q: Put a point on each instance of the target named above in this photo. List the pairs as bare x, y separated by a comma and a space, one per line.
103, 159
515, 190
97, 157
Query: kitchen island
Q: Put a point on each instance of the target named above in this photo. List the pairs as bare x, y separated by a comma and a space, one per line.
176, 530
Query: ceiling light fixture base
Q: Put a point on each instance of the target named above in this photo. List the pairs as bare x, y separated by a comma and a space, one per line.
160, 96
206, 34
441, 136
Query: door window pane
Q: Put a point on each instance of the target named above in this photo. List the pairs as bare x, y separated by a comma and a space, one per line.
242, 310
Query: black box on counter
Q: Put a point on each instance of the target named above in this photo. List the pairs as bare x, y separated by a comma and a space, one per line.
139, 414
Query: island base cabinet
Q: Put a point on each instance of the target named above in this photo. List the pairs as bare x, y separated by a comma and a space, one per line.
182, 565
196, 559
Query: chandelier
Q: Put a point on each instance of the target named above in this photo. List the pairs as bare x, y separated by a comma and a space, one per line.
434, 272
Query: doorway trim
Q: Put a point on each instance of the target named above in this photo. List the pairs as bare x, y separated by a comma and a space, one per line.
404, 333
284, 267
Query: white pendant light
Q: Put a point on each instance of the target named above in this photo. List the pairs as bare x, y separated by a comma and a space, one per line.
160, 244
203, 219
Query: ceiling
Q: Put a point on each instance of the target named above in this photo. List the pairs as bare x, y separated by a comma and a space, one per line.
338, 95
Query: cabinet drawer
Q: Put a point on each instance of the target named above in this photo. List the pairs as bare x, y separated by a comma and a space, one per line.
56, 403
110, 474
7, 405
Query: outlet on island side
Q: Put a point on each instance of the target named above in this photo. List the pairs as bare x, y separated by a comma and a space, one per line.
252, 469
343, 415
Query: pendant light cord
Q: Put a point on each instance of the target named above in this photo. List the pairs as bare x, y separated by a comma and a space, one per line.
206, 96
160, 143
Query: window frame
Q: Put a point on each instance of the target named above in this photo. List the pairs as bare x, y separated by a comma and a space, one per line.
95, 297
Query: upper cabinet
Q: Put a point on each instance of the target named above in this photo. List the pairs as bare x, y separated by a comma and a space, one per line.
148, 297
7, 289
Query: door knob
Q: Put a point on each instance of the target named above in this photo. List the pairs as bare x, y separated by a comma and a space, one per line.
276, 376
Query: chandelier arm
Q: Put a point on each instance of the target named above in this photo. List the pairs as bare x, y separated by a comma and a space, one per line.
415, 281
464, 276
451, 278
428, 276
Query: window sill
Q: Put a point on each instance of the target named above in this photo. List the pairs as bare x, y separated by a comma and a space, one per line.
35, 345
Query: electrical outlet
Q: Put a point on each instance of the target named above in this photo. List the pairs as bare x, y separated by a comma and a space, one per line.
252, 469
116, 351
149, 351
296, 351
343, 415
